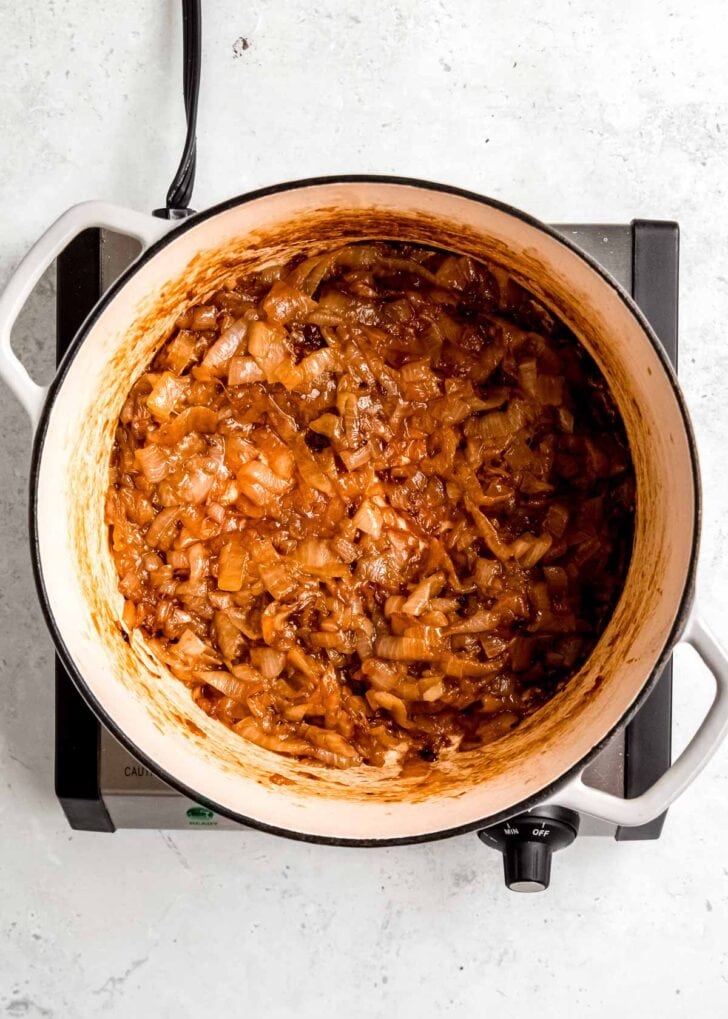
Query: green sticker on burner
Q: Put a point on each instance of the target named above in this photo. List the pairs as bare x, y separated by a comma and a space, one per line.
200, 815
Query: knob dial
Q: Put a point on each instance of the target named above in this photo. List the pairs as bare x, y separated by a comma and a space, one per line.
528, 842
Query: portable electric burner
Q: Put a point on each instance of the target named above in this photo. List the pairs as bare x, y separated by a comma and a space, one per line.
102, 788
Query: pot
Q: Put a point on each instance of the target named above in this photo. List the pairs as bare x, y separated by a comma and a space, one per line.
152, 713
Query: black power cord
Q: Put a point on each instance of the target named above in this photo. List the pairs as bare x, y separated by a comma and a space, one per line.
180, 190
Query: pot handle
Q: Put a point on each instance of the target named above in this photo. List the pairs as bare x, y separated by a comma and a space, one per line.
145, 228
649, 805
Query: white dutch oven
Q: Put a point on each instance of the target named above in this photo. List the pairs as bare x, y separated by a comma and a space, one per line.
153, 714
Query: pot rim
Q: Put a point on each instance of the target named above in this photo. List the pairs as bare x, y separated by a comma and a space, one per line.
127, 742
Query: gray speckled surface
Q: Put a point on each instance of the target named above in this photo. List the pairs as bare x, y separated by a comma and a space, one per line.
575, 112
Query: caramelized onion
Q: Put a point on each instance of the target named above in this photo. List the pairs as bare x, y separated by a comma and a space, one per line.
153, 462
218, 356
373, 505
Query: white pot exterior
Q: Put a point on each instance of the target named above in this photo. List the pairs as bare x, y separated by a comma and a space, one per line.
153, 712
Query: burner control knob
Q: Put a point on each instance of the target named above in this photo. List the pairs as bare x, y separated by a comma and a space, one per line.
527, 842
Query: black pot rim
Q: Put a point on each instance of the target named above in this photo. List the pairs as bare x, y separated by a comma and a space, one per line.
529, 802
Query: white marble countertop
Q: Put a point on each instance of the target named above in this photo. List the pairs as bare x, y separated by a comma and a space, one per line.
572, 111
